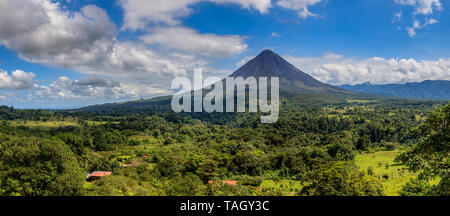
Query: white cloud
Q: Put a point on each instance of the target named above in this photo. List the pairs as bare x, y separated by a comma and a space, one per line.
90, 88
431, 21
47, 34
397, 17
261, 5
417, 25
421, 7
337, 70
17, 80
274, 34
411, 31
86, 41
73, 93
299, 5
140, 13
189, 40
128, 59
424, 7
304, 13
244, 61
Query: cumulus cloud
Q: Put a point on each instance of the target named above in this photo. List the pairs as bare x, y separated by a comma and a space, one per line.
189, 40
84, 41
337, 70
140, 13
97, 81
425, 8
47, 34
12, 25
128, 59
17, 80
43, 32
90, 88
299, 5
73, 93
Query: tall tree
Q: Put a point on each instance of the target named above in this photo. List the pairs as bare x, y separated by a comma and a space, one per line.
431, 156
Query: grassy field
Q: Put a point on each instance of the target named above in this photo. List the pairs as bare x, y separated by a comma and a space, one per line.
288, 187
361, 101
55, 124
49, 124
392, 175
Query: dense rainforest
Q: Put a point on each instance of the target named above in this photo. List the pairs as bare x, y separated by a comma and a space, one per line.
313, 150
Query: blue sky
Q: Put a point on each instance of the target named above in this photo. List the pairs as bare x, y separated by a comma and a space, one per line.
82, 52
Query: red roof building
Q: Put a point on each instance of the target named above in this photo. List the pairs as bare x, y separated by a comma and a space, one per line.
97, 175
232, 183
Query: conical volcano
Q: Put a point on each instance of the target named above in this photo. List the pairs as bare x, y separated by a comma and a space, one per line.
296, 86
269, 64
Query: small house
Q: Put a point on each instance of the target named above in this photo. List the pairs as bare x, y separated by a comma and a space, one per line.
232, 183
97, 175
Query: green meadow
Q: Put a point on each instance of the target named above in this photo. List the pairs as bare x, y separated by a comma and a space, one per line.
392, 175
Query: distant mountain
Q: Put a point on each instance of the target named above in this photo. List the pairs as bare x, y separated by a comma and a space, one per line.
436, 90
295, 86
269, 64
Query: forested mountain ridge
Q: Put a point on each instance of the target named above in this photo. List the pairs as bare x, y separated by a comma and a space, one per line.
296, 87
436, 90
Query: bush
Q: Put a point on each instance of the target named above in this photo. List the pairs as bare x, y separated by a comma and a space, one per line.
370, 171
416, 187
251, 181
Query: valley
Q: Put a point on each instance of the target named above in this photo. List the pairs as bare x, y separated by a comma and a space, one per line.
326, 142
158, 154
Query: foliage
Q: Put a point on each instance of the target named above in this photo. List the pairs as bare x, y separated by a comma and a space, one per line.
416, 187
38, 167
340, 179
120, 186
431, 155
311, 150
